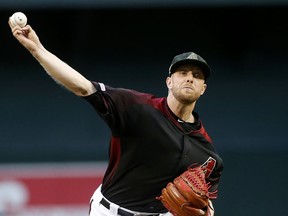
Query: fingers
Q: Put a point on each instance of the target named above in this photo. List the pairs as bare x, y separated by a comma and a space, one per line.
16, 27
10, 23
18, 32
201, 212
209, 211
211, 208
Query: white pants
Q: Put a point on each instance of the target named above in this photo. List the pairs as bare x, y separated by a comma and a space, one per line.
97, 209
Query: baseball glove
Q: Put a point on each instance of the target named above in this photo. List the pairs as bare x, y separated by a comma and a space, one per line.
188, 194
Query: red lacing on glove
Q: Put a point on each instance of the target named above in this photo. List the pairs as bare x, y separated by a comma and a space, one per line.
198, 181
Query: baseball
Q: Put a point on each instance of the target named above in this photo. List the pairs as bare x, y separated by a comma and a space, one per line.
19, 19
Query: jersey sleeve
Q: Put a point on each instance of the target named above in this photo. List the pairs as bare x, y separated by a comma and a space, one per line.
113, 104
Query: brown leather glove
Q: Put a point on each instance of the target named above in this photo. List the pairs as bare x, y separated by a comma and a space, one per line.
188, 194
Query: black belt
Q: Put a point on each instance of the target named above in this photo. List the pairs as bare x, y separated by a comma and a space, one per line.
121, 212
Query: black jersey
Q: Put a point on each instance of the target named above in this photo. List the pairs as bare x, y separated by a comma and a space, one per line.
149, 147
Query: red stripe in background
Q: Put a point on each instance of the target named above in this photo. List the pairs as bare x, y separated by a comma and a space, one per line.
54, 184
62, 190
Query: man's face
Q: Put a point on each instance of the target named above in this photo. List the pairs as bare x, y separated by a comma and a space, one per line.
187, 83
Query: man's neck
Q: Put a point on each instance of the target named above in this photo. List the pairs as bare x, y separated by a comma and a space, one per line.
182, 111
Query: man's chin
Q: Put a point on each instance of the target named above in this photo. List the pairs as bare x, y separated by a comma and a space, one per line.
187, 100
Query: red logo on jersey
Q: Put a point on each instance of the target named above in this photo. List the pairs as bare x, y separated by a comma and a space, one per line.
209, 166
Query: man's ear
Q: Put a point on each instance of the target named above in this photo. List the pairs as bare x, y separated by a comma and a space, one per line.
204, 88
169, 82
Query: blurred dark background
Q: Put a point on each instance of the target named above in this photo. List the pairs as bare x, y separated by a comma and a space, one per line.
131, 45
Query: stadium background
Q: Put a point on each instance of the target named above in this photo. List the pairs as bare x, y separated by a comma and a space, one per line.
45, 130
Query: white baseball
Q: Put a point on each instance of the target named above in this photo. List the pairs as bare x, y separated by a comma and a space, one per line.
19, 19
